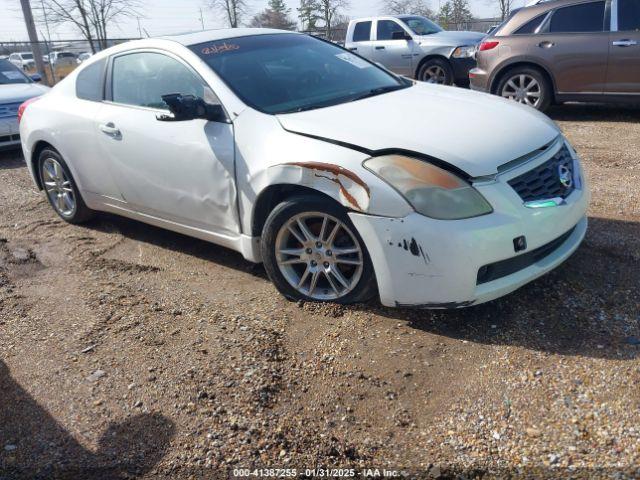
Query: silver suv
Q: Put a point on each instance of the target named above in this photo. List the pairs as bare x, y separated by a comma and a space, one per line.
415, 47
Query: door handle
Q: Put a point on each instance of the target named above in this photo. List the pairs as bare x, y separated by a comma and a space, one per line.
546, 44
110, 129
625, 43
380, 48
353, 49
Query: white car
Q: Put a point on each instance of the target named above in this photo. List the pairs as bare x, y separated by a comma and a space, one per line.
82, 57
59, 59
23, 60
343, 179
15, 88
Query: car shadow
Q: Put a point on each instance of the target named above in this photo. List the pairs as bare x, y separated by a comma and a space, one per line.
176, 242
34, 445
590, 112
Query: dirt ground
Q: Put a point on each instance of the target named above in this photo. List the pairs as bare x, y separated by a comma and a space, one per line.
126, 350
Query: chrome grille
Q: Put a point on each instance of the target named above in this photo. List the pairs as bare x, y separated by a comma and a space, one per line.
544, 182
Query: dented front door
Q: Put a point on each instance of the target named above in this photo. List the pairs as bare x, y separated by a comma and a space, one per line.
182, 172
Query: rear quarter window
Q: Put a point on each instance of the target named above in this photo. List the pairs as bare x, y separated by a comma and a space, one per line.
90, 82
583, 18
531, 26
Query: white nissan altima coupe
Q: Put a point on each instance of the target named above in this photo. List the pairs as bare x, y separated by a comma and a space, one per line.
342, 178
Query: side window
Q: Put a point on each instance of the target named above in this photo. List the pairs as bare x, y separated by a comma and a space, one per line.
628, 15
142, 79
362, 32
90, 82
584, 18
386, 29
531, 26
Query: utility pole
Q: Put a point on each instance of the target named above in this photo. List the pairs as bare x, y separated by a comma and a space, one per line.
33, 38
201, 18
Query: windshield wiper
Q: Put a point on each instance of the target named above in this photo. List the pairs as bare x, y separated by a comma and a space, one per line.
379, 91
306, 108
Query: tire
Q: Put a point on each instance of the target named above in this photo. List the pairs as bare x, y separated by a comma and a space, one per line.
322, 282
516, 85
61, 189
436, 70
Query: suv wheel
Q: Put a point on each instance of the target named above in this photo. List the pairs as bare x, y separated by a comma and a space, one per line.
61, 189
526, 85
311, 251
436, 70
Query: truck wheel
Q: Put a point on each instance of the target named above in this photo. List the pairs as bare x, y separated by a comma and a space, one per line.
436, 70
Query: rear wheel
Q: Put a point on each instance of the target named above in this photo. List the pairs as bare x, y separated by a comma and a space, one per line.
61, 189
311, 251
436, 70
526, 85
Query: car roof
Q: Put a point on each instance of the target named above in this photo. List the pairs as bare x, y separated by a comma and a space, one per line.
381, 17
194, 38
551, 4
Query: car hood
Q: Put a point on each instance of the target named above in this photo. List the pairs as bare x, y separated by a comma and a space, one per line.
19, 92
453, 38
472, 131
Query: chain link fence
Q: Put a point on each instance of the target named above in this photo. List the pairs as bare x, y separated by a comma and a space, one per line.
60, 57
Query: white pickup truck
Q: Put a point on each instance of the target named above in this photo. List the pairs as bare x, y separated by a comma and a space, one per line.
415, 47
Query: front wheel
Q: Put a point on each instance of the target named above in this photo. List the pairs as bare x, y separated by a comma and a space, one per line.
311, 251
436, 70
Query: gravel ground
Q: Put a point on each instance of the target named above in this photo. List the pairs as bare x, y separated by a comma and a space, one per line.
126, 351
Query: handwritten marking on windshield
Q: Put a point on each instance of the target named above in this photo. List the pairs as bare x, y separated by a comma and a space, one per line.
224, 47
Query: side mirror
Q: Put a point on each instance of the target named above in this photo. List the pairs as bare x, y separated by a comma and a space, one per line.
400, 35
190, 107
36, 77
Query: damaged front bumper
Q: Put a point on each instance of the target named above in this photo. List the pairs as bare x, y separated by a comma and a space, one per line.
425, 263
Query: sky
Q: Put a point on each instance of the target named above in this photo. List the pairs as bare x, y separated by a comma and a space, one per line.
163, 17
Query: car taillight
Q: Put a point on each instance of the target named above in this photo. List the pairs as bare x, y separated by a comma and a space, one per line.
488, 46
24, 105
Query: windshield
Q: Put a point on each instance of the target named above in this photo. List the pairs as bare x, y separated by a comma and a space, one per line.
421, 25
284, 73
10, 74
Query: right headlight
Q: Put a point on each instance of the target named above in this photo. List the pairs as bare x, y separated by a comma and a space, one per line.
430, 190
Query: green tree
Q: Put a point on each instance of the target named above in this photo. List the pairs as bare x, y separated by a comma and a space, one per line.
309, 14
411, 7
275, 16
455, 14
279, 6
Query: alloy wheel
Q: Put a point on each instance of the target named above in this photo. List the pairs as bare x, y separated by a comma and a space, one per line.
58, 187
523, 89
319, 256
435, 74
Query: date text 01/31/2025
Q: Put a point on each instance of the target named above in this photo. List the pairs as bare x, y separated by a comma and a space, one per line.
317, 473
